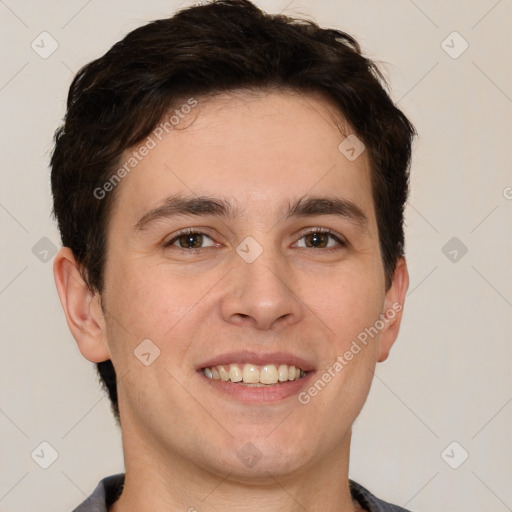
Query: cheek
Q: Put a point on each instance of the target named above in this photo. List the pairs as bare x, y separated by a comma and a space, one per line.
146, 300
347, 301
136, 311
153, 303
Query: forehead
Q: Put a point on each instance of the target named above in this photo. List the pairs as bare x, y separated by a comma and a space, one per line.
258, 148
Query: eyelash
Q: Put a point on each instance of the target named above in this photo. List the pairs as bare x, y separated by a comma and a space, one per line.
190, 231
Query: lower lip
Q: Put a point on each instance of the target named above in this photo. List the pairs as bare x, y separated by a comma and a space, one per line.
260, 395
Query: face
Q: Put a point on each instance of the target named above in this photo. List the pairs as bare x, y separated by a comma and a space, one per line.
280, 267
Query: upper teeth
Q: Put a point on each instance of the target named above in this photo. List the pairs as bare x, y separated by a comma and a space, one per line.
254, 374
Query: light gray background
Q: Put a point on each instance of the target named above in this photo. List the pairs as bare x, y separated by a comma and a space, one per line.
448, 377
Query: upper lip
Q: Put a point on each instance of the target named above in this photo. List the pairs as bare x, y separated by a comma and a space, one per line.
258, 358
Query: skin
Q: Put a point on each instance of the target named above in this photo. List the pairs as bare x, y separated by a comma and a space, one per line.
258, 150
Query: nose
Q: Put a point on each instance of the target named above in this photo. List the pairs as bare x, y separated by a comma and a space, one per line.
261, 294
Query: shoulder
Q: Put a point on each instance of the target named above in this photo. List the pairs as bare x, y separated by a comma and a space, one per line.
106, 492
369, 502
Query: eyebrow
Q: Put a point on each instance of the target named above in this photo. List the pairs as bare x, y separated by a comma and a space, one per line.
179, 205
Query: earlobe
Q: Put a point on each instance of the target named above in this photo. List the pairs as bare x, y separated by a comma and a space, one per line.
393, 308
81, 307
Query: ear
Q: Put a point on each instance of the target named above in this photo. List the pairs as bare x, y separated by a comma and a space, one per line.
82, 308
393, 308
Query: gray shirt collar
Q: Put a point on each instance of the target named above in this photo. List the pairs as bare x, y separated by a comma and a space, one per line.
109, 489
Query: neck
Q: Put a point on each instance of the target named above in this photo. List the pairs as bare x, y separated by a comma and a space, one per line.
159, 480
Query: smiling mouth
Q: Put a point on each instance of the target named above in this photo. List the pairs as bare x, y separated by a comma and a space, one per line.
254, 375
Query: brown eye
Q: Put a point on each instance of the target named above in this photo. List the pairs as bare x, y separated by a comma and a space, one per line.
316, 239
189, 240
321, 239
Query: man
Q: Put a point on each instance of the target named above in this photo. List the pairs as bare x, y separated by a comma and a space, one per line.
229, 187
